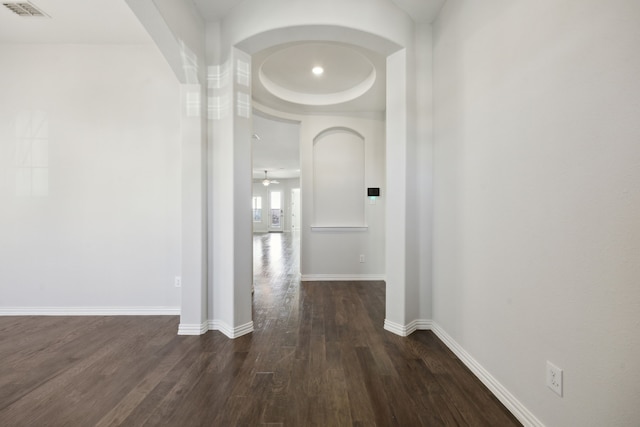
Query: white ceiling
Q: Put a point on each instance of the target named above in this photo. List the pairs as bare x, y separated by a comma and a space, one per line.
111, 21
290, 67
353, 80
419, 10
423, 11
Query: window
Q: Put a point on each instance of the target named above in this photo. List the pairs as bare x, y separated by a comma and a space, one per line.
257, 209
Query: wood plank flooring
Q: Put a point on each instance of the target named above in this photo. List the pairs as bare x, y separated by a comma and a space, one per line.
318, 357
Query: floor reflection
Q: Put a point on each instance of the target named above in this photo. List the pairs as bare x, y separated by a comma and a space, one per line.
276, 273
275, 255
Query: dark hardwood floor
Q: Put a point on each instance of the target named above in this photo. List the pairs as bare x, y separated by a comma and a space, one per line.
318, 357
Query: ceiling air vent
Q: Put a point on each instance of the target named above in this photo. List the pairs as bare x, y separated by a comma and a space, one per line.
24, 9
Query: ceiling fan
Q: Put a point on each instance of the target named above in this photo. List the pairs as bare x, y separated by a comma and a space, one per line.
266, 181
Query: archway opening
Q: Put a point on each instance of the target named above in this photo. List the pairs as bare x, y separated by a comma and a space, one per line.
272, 41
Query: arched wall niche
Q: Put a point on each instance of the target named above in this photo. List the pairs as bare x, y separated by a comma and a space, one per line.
336, 129
339, 178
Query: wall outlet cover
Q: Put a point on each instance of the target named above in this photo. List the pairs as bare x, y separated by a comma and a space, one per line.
554, 378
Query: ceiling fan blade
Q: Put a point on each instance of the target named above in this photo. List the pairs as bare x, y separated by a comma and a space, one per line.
273, 181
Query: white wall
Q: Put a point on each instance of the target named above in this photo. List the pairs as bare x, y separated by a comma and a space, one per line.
537, 201
106, 232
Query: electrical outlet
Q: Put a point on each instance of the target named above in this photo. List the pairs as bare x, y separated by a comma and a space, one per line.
177, 282
361, 258
554, 378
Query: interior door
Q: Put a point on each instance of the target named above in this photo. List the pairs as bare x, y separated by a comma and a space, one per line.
275, 211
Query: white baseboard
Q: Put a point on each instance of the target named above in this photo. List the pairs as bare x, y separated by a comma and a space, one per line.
406, 330
342, 277
513, 405
215, 325
396, 328
192, 328
238, 331
89, 311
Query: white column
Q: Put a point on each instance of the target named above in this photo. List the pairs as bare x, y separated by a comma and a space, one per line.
403, 249
424, 163
243, 190
232, 188
395, 192
193, 317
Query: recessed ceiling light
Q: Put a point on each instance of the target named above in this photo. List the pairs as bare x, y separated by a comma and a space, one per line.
317, 70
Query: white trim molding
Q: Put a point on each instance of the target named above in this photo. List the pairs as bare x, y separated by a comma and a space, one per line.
406, 330
342, 277
215, 325
192, 328
89, 311
513, 405
230, 332
395, 328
